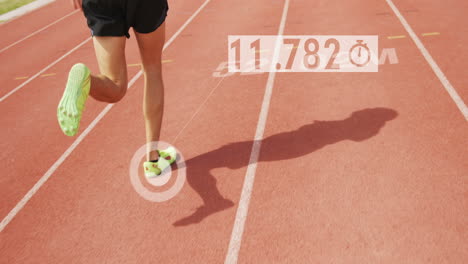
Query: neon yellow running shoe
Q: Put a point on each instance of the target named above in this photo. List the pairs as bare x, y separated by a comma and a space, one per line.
155, 168
71, 105
168, 154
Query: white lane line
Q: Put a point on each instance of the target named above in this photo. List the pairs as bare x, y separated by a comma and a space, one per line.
38, 31
80, 138
84, 42
242, 209
185, 24
443, 79
43, 70
24, 9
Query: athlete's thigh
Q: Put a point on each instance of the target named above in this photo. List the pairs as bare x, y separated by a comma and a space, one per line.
151, 46
110, 54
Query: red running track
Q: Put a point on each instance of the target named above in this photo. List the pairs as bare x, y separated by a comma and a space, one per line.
387, 184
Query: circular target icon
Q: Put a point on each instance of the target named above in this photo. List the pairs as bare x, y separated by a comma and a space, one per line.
160, 180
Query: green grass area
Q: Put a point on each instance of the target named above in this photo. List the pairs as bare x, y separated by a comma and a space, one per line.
8, 5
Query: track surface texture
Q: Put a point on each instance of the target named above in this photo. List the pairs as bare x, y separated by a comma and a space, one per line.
351, 167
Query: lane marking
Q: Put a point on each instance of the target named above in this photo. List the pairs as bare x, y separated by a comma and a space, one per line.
430, 34
40, 30
22, 10
396, 37
48, 75
383, 14
43, 70
139, 64
442, 78
80, 138
242, 209
388, 54
43, 75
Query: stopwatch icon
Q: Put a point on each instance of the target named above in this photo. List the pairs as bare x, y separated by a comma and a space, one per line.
359, 54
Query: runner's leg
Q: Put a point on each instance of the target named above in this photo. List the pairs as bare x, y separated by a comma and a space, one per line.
111, 84
151, 45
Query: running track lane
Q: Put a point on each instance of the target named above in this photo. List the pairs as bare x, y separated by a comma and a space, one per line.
23, 26
448, 48
27, 125
335, 189
325, 111
24, 60
99, 215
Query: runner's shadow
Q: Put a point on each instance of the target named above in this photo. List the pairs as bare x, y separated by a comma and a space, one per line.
359, 126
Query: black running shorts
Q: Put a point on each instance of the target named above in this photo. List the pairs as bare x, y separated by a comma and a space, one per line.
115, 17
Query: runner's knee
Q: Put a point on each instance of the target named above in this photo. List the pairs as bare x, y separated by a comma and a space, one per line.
121, 90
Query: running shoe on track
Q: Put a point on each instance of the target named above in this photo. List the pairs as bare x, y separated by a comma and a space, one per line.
155, 168
71, 105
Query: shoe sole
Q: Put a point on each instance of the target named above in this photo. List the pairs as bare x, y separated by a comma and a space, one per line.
71, 105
